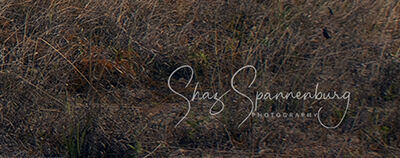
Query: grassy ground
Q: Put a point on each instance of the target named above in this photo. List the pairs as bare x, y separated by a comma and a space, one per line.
88, 78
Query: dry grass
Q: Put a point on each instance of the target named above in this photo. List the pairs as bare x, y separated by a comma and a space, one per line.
88, 78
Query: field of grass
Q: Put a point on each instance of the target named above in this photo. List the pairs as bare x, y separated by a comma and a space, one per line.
88, 78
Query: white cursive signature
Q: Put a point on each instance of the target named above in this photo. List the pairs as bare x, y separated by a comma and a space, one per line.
260, 96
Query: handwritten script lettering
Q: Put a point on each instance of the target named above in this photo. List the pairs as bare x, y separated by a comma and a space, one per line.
254, 100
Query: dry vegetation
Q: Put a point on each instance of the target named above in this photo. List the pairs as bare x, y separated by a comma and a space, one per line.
86, 78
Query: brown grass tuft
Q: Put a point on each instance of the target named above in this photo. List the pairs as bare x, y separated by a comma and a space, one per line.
87, 78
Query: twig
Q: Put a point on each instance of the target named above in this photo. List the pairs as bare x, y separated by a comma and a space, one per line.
152, 151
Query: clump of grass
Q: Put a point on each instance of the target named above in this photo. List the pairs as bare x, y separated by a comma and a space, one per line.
88, 78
